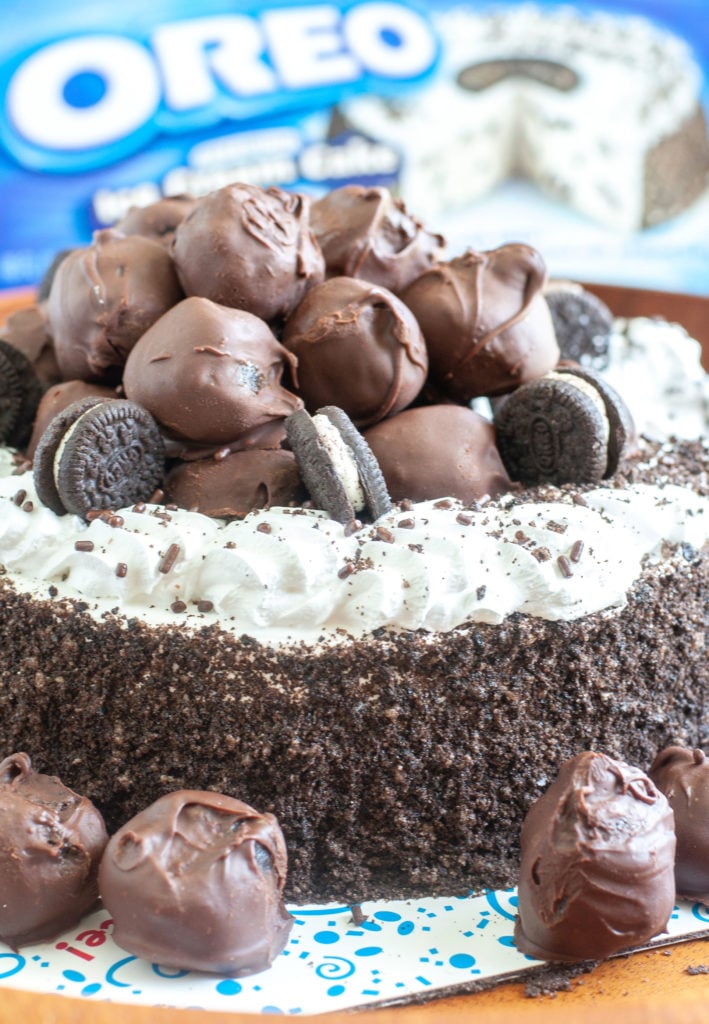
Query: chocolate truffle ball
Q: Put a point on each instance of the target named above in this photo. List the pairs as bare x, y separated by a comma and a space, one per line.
51, 842
195, 882
683, 776
436, 451
27, 330
366, 233
208, 373
358, 347
597, 872
487, 326
249, 248
158, 220
103, 299
237, 484
60, 397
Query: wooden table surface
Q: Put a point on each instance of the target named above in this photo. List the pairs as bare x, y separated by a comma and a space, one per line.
646, 988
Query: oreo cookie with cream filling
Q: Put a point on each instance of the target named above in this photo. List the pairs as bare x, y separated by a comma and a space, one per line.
582, 322
98, 454
337, 465
569, 426
20, 392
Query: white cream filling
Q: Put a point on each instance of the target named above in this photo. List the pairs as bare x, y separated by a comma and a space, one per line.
61, 447
589, 391
343, 461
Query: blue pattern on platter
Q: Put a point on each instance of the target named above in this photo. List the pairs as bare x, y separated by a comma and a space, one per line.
333, 960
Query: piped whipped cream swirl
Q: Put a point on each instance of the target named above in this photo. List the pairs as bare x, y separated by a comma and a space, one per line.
288, 575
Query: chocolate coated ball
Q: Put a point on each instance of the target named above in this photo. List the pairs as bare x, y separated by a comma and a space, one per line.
249, 248
597, 871
436, 451
487, 326
51, 841
195, 881
357, 347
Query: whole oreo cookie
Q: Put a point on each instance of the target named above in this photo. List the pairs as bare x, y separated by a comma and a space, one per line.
582, 323
567, 427
98, 454
20, 392
337, 465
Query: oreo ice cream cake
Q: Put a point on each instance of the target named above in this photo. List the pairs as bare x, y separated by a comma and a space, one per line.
397, 683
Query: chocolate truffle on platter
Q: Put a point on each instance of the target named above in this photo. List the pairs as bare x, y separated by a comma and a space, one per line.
250, 248
367, 233
487, 326
417, 466
103, 298
158, 220
357, 347
209, 373
237, 484
597, 871
51, 842
195, 881
683, 776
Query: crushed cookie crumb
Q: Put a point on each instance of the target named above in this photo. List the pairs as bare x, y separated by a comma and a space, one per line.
556, 527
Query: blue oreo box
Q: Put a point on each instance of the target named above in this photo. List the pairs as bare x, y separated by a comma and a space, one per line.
579, 128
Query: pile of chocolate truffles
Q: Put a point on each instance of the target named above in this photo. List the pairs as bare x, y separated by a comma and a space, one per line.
222, 315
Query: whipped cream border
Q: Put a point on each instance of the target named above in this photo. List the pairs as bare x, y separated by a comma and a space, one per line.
290, 576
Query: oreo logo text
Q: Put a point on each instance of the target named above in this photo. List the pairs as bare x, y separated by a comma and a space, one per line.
84, 101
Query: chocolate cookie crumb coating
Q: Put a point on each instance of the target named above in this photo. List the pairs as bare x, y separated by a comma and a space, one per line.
249, 248
417, 466
683, 776
103, 299
367, 233
51, 841
597, 871
195, 882
357, 347
209, 373
485, 321
237, 484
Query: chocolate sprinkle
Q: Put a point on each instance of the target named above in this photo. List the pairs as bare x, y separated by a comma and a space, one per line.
170, 558
565, 566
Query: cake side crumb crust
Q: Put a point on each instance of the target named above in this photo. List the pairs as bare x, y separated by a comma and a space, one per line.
397, 766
